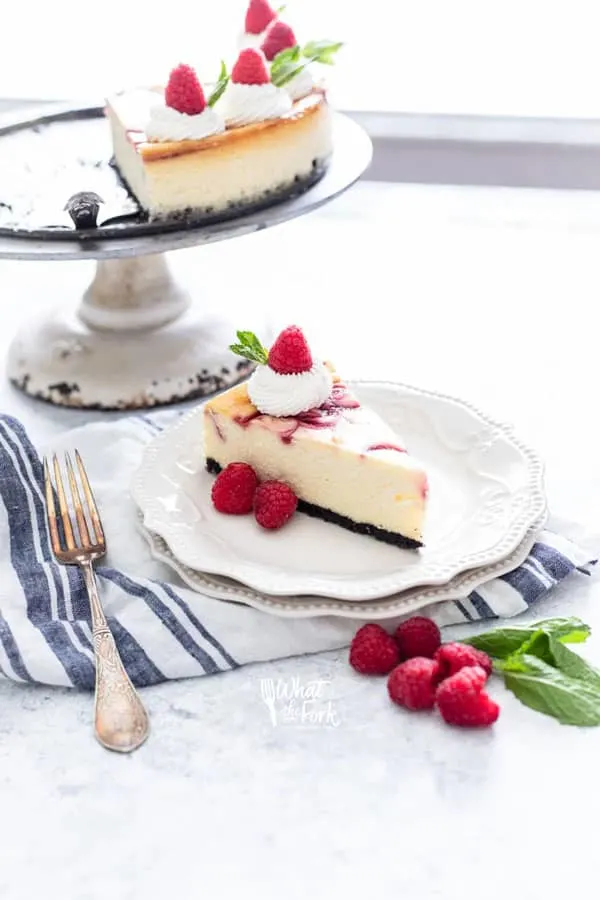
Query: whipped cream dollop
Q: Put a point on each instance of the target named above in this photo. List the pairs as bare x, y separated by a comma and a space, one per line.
289, 395
244, 104
168, 124
301, 85
254, 41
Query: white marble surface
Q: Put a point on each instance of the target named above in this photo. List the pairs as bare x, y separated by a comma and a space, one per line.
488, 294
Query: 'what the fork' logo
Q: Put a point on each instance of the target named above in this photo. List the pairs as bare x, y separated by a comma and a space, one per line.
291, 701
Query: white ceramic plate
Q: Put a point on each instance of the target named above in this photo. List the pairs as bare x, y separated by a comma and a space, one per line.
403, 604
486, 492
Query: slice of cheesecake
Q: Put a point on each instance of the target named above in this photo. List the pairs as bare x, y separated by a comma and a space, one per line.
238, 169
345, 464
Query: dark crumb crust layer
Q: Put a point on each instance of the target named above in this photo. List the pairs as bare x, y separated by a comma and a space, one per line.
319, 512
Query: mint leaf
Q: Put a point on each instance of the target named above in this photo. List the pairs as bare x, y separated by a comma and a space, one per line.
280, 9
291, 62
503, 642
219, 88
286, 65
572, 664
552, 692
250, 348
322, 51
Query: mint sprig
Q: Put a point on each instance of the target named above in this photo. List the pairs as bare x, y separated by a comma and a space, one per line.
291, 62
219, 88
502, 642
542, 672
250, 348
550, 691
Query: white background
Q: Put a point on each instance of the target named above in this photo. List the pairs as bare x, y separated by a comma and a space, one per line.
499, 57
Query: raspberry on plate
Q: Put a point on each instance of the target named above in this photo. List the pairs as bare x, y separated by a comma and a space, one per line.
462, 701
274, 504
412, 684
454, 657
373, 651
418, 636
234, 489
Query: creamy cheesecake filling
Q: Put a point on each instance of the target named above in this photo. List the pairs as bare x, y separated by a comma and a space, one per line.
356, 469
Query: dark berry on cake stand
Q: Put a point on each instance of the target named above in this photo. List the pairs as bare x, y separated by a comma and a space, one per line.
83, 207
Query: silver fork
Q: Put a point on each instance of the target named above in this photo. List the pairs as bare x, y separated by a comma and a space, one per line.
120, 720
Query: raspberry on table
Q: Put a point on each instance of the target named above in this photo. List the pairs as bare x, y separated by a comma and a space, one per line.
234, 489
462, 701
455, 656
412, 684
418, 636
373, 650
274, 504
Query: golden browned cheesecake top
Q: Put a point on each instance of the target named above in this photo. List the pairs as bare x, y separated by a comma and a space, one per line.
133, 109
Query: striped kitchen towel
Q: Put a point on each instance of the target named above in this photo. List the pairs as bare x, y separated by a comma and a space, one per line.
163, 629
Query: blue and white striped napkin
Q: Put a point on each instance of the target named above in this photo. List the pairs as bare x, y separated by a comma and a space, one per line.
163, 629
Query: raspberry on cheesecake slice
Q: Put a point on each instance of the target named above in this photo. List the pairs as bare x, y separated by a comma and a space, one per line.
295, 421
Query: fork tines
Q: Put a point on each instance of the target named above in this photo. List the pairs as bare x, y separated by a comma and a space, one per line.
85, 512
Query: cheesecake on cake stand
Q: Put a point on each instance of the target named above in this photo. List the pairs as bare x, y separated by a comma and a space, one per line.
156, 170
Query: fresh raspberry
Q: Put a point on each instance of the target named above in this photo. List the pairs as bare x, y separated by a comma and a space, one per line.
412, 684
250, 68
274, 504
234, 489
184, 92
373, 651
418, 636
259, 15
279, 37
454, 657
290, 354
462, 701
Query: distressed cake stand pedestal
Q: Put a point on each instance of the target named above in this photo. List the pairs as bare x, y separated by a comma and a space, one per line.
140, 336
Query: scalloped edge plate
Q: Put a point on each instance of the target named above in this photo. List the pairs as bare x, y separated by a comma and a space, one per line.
220, 588
487, 491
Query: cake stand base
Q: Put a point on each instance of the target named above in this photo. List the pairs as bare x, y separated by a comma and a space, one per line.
135, 342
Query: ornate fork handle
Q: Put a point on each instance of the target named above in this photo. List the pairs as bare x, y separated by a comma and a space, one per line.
121, 722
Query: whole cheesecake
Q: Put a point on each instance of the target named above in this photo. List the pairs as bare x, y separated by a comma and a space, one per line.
299, 424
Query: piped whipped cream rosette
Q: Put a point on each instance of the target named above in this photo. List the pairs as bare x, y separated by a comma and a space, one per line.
185, 113
251, 96
259, 16
287, 380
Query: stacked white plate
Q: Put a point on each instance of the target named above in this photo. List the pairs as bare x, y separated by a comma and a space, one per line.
487, 504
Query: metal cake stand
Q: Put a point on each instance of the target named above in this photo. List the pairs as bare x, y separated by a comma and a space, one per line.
138, 337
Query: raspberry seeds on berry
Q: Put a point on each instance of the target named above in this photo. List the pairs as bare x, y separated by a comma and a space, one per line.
279, 37
290, 354
373, 651
462, 701
250, 68
184, 92
259, 16
274, 504
412, 684
454, 657
418, 636
234, 489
